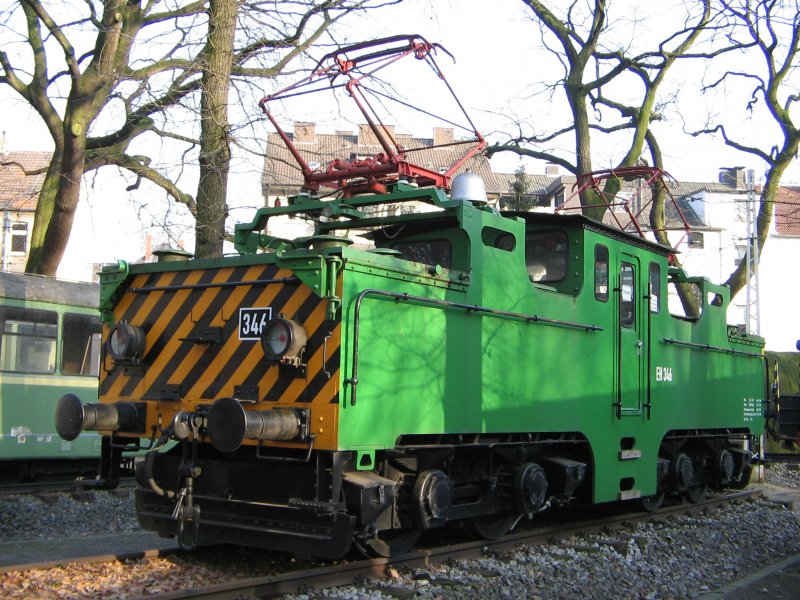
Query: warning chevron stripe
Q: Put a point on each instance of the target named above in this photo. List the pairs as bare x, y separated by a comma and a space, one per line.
176, 308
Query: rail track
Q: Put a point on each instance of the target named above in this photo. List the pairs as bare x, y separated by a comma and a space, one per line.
347, 571
54, 486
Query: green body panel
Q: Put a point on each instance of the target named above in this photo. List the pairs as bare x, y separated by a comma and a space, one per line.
26, 419
425, 368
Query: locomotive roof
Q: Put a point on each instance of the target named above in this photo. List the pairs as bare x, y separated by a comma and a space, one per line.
37, 288
431, 222
582, 222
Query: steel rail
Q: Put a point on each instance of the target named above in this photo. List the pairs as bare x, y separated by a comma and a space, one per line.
346, 572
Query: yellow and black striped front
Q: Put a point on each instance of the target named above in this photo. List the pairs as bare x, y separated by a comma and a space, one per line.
195, 352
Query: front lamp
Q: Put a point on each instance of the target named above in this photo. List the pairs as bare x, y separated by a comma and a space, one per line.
126, 342
283, 340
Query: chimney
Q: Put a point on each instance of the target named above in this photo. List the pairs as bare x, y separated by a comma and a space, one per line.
3, 144
368, 138
304, 132
734, 177
551, 170
148, 248
442, 135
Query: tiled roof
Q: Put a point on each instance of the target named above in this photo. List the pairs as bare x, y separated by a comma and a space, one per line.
19, 192
281, 174
787, 211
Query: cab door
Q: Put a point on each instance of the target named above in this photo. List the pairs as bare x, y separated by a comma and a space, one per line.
630, 337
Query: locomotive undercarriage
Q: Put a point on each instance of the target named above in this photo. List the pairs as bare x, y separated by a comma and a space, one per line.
691, 461
321, 506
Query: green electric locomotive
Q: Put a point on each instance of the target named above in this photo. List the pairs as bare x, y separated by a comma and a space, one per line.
461, 368
472, 368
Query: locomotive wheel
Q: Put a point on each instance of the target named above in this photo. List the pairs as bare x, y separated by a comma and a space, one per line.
696, 493
490, 527
390, 543
744, 480
653, 503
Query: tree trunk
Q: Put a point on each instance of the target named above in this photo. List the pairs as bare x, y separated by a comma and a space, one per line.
46, 253
215, 152
44, 210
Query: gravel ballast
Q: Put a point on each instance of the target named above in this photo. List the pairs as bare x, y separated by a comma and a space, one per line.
683, 557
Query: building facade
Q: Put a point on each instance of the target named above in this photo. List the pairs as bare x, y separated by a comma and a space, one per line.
21, 177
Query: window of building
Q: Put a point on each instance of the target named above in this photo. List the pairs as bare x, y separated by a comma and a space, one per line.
427, 252
696, 239
627, 305
655, 287
601, 273
546, 255
80, 353
19, 238
27, 340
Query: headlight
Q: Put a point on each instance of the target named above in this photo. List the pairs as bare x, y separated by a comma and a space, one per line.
126, 342
283, 340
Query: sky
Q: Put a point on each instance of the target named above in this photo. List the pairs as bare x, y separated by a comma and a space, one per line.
498, 62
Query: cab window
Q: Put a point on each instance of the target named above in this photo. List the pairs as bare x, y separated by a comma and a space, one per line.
655, 287
546, 256
601, 273
427, 252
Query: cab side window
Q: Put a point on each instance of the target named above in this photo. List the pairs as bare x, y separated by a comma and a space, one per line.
655, 287
427, 252
546, 256
601, 273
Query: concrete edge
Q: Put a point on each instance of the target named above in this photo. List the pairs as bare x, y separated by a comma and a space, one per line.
720, 593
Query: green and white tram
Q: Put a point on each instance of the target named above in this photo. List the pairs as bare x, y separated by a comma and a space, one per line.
50, 337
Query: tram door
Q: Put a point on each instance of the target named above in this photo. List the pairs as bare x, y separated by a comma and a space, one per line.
630, 342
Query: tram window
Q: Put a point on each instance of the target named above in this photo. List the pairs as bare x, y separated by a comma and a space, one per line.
427, 252
80, 354
655, 287
601, 273
546, 256
28, 340
627, 305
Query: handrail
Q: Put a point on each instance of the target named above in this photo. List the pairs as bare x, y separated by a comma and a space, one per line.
433, 302
709, 347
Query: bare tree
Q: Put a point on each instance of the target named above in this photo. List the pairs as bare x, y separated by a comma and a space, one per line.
610, 89
144, 59
770, 31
